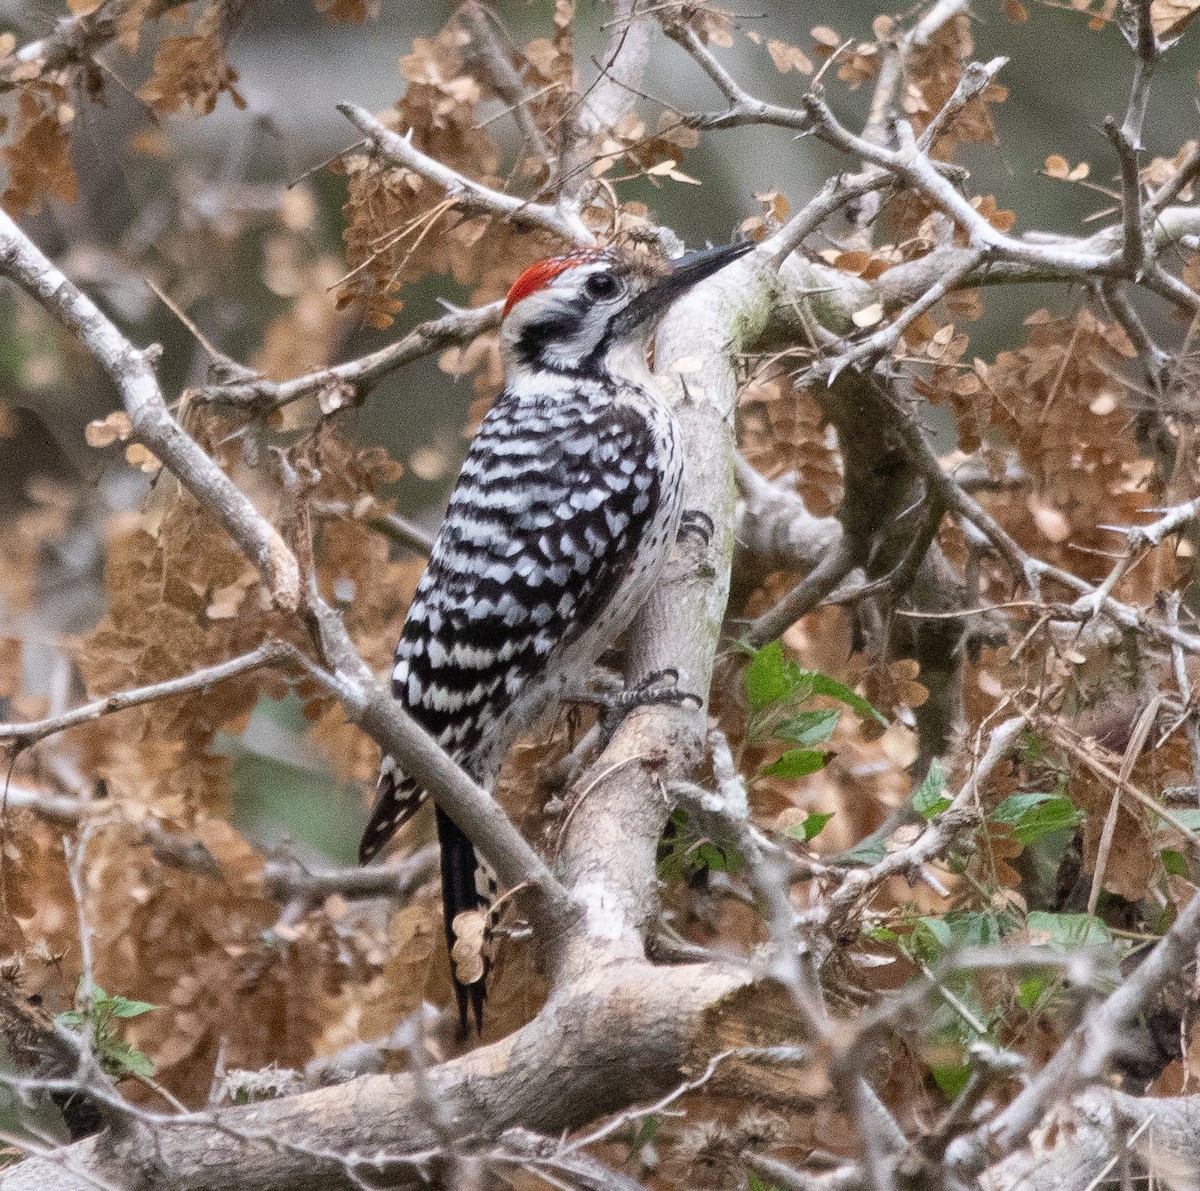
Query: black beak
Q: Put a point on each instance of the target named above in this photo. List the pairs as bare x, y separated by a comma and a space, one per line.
685, 271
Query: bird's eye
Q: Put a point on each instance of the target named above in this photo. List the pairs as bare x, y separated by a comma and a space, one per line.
601, 285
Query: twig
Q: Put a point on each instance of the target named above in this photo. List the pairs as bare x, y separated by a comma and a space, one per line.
941, 833
1154, 360
504, 79
268, 654
804, 597
1185, 174
289, 879
559, 220
1126, 145
834, 195
358, 376
910, 163
975, 80
1184, 683
1085, 1055
882, 342
1133, 750
743, 108
400, 529
1172, 521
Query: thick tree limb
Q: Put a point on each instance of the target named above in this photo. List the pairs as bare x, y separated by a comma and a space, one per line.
318, 1139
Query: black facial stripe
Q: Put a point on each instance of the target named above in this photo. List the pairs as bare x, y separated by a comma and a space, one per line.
559, 327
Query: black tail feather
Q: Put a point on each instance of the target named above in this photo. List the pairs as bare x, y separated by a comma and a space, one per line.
460, 893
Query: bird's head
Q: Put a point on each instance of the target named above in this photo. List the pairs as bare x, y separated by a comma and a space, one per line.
570, 313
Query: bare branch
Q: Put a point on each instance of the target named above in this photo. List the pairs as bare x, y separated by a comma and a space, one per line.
268, 654
882, 342
496, 62
774, 525
804, 597
289, 879
132, 371
357, 376
975, 80
400, 529
559, 220
943, 832
1185, 174
743, 108
908, 162
611, 98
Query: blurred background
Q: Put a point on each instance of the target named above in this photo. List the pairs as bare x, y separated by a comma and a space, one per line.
195, 205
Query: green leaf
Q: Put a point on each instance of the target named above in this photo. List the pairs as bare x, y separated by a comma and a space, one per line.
951, 1079
118, 1058
1174, 862
683, 852
1032, 747
929, 800
644, 1134
717, 858
866, 853
125, 1008
754, 1183
822, 685
1031, 991
808, 728
1033, 816
768, 679
121, 1059
797, 763
932, 936
812, 826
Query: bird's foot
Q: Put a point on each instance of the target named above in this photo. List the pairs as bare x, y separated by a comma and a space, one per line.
660, 686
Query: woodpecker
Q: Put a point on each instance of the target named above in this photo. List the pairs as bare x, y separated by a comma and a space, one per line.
564, 514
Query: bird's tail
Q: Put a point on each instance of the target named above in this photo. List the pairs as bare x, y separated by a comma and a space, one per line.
468, 891
469, 886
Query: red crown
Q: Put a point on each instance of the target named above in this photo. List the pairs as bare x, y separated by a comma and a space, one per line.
544, 272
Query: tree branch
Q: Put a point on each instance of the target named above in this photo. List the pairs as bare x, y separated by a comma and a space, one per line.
74, 41
559, 220
359, 376
1084, 1057
132, 371
270, 653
